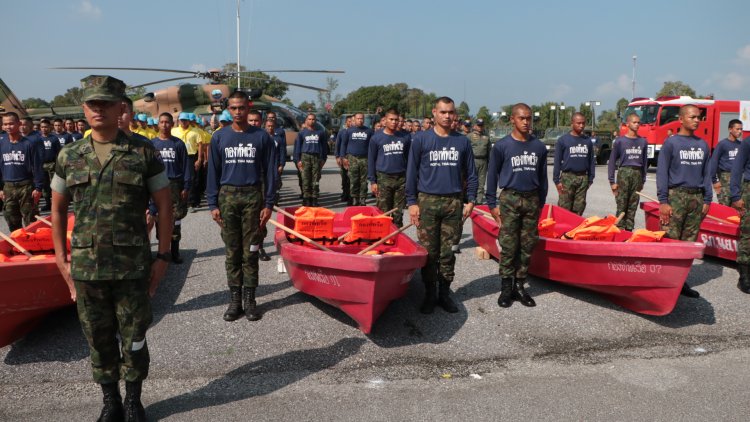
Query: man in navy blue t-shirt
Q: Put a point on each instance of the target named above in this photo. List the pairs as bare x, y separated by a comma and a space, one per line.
683, 182
386, 166
722, 159
355, 146
310, 153
434, 191
518, 166
241, 159
574, 166
339, 154
49, 146
21, 170
631, 154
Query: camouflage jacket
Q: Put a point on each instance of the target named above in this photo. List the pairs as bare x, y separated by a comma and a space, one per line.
480, 145
109, 240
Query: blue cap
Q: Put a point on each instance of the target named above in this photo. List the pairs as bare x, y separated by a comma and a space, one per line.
216, 93
142, 117
183, 116
225, 116
197, 118
150, 121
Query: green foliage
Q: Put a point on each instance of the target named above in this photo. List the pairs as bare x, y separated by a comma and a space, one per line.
368, 99
72, 97
34, 102
271, 85
136, 94
485, 114
463, 109
676, 88
329, 97
306, 106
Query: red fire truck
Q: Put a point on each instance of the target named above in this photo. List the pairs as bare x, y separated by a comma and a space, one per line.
660, 116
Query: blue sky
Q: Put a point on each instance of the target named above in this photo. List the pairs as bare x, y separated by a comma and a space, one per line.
484, 52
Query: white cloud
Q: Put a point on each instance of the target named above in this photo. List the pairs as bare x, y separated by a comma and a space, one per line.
743, 54
731, 81
622, 85
559, 91
88, 9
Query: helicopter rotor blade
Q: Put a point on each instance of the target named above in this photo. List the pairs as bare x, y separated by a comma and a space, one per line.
295, 71
148, 69
286, 83
160, 81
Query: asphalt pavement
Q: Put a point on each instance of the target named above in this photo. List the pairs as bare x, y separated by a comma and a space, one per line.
575, 356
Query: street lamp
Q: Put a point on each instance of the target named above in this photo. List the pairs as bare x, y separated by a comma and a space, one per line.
557, 109
592, 103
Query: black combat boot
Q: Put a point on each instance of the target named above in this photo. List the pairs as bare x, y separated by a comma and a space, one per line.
444, 298
175, 250
687, 291
520, 294
349, 202
248, 299
506, 293
430, 295
315, 202
112, 410
134, 411
263, 256
744, 282
234, 311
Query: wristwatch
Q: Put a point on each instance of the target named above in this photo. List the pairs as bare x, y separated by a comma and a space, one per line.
166, 256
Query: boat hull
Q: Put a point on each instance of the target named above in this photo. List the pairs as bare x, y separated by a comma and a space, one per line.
29, 290
642, 277
720, 238
361, 286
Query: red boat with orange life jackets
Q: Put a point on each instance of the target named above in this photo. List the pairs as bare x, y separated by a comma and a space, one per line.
30, 287
360, 285
719, 230
645, 277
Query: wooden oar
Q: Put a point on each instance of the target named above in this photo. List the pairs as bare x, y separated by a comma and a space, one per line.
383, 240
44, 220
549, 210
280, 211
619, 218
387, 213
299, 235
720, 220
484, 213
15, 245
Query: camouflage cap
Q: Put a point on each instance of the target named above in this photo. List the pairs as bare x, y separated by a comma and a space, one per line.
103, 88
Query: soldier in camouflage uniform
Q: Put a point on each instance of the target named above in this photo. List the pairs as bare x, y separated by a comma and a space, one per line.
518, 166
574, 166
21, 170
108, 178
683, 182
740, 196
434, 188
480, 144
241, 159
386, 167
630, 153
722, 159
355, 146
310, 153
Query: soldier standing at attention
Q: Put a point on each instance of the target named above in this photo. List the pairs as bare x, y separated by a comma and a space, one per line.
480, 144
339, 154
59, 130
192, 140
683, 182
574, 158
70, 128
387, 158
631, 175
740, 195
108, 178
50, 147
518, 166
310, 153
255, 119
355, 147
242, 157
179, 172
21, 170
434, 188
722, 160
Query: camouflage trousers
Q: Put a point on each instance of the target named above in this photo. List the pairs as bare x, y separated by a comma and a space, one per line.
629, 181
49, 173
519, 214
358, 179
179, 207
687, 214
481, 165
575, 188
723, 195
109, 308
240, 208
743, 245
439, 229
19, 208
391, 194
345, 182
310, 176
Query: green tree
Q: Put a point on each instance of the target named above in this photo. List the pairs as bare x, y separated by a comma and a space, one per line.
676, 88
136, 94
271, 85
368, 99
485, 114
35, 102
463, 109
72, 97
306, 106
329, 97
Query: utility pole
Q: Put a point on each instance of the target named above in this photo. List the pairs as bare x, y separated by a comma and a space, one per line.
634, 59
238, 45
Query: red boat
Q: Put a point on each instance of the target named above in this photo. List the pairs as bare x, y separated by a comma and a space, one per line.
360, 285
643, 277
29, 289
720, 237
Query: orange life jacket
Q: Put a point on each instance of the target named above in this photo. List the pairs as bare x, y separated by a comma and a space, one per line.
594, 228
314, 222
368, 227
643, 235
547, 227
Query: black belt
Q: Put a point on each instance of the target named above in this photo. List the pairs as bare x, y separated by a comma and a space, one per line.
578, 173
688, 190
248, 188
526, 194
358, 156
19, 183
632, 167
403, 173
445, 195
